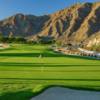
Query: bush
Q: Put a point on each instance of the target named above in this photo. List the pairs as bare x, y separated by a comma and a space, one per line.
13, 40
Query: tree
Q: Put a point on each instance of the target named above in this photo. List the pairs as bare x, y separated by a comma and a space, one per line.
1, 36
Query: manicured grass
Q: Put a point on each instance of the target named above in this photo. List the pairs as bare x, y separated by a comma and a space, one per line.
23, 73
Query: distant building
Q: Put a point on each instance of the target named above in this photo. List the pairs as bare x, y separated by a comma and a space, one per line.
89, 53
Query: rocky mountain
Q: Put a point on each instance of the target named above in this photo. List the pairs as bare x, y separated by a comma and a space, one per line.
79, 23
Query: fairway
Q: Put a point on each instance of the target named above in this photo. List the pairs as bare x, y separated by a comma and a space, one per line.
26, 69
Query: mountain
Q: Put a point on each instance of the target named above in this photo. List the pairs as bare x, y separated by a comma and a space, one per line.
79, 23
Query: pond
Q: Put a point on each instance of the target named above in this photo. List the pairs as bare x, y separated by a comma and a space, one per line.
59, 93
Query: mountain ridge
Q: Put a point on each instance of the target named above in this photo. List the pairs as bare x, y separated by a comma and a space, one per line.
76, 24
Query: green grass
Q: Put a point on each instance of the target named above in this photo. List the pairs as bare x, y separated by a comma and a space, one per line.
23, 74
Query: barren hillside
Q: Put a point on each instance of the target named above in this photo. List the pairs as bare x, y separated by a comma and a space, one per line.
78, 24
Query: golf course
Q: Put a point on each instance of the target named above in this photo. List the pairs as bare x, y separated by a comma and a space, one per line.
28, 69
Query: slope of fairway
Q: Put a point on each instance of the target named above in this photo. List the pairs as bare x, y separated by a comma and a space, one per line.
25, 70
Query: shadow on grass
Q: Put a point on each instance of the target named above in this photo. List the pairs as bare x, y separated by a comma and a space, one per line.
43, 64
50, 79
30, 55
44, 54
21, 95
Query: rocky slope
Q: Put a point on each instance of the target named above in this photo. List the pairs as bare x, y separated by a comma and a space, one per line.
79, 23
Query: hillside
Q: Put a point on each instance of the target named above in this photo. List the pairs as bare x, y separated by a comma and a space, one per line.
79, 23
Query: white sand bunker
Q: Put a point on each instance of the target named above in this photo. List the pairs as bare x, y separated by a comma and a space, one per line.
58, 93
4, 46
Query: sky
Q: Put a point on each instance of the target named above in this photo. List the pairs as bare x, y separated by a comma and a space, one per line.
34, 7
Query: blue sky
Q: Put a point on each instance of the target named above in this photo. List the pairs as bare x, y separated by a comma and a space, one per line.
35, 7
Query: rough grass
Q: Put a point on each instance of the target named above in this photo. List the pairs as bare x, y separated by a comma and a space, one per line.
24, 74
